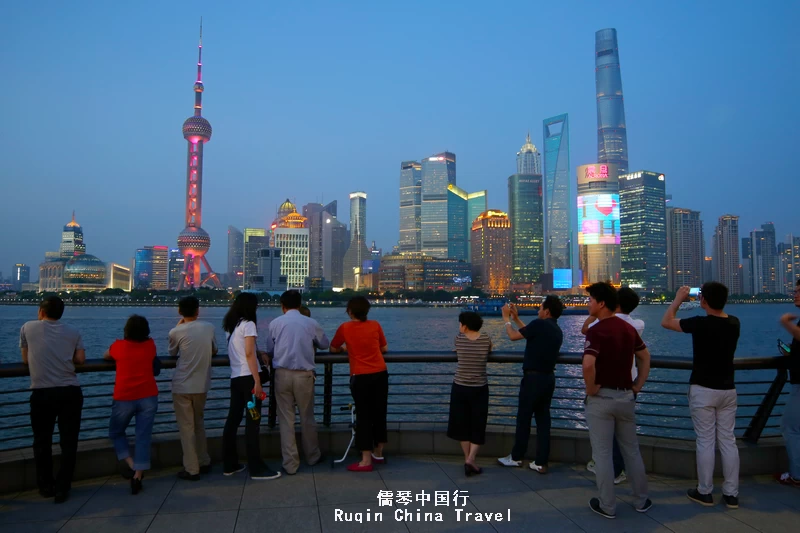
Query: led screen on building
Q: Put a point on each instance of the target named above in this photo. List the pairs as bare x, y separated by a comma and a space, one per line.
598, 219
562, 278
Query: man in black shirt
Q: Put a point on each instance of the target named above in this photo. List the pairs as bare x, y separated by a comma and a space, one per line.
543, 343
712, 392
790, 422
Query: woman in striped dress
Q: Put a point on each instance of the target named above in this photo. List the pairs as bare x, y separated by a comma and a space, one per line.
469, 397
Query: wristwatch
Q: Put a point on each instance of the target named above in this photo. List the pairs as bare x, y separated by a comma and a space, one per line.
508, 323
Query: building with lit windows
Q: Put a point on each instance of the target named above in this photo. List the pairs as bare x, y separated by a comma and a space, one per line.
357, 252
558, 217
529, 160
410, 207
786, 270
291, 236
491, 252
335, 241
176, 269
763, 275
84, 272
446, 275
269, 278
598, 223
255, 239
438, 171
526, 212
151, 268
402, 271
118, 277
643, 231
462, 209
612, 135
726, 253
235, 258
686, 248
20, 274
72, 239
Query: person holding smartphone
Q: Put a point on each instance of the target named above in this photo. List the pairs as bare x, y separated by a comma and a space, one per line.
790, 422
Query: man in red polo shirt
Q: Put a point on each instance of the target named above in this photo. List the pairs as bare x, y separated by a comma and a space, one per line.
611, 398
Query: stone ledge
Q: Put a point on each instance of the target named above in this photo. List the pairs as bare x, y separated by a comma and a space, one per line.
671, 457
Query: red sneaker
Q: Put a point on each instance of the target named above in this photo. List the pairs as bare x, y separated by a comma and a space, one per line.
378, 460
785, 478
355, 467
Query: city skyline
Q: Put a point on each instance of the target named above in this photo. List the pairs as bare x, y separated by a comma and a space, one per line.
86, 158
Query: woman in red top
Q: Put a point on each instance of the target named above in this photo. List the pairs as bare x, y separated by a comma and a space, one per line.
135, 394
369, 382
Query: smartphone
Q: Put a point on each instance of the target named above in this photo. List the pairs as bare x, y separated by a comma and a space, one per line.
785, 347
694, 292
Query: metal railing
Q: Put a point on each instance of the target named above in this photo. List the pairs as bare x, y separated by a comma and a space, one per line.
419, 391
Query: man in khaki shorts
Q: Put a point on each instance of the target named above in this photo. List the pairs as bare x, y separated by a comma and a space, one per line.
193, 342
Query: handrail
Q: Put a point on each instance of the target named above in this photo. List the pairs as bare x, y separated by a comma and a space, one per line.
10, 370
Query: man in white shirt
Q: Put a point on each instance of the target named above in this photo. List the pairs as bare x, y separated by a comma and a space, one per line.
628, 301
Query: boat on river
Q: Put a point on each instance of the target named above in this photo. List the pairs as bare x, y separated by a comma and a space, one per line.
494, 307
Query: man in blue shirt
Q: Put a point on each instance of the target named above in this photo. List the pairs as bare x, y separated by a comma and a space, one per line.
291, 344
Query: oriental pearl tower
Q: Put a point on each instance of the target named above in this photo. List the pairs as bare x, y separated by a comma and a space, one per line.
193, 241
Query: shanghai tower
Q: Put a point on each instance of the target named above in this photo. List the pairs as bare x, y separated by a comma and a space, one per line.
193, 241
612, 138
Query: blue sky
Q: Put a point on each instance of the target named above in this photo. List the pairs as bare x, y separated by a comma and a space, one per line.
314, 100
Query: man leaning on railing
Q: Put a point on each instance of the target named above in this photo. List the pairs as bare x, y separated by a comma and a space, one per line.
790, 422
712, 389
51, 349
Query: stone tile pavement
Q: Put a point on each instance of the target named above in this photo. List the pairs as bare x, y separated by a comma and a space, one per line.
311, 501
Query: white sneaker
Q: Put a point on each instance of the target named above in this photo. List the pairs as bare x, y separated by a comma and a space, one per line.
590, 467
536, 468
619, 479
508, 461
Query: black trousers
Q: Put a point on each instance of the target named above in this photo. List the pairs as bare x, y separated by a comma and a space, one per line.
241, 393
469, 411
535, 394
371, 396
48, 406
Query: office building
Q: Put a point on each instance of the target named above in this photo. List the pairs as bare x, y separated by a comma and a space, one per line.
314, 220
176, 268
292, 237
269, 278
746, 271
764, 261
491, 252
708, 268
786, 270
612, 137
72, 239
118, 277
438, 171
336, 240
402, 271
410, 207
726, 253
558, 210
151, 268
529, 160
598, 223
235, 258
357, 252
526, 212
446, 275
462, 209
685, 248
255, 239
20, 274
643, 231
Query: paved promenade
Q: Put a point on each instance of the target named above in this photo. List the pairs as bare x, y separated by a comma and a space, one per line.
311, 500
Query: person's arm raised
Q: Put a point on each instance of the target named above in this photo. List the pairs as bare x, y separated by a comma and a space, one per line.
669, 321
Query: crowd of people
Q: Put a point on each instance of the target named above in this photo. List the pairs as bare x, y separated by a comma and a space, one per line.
616, 365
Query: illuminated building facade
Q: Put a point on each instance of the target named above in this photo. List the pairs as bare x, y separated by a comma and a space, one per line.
84, 272
491, 252
402, 271
193, 241
558, 213
72, 239
151, 268
529, 160
643, 230
438, 171
410, 206
525, 210
686, 248
118, 277
291, 236
175, 269
254, 240
446, 275
598, 223
462, 209
357, 252
20, 275
612, 136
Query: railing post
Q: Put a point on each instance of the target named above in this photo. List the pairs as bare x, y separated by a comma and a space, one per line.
327, 395
760, 419
272, 413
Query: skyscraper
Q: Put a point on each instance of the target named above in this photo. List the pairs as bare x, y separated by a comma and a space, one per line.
558, 217
314, 220
176, 267
193, 241
598, 223
462, 209
151, 268
438, 171
491, 252
685, 248
786, 266
292, 237
612, 137
336, 240
764, 261
255, 239
235, 257
529, 160
143, 268
726, 253
410, 206
747, 266
72, 239
357, 252
525, 211
21, 273
643, 230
